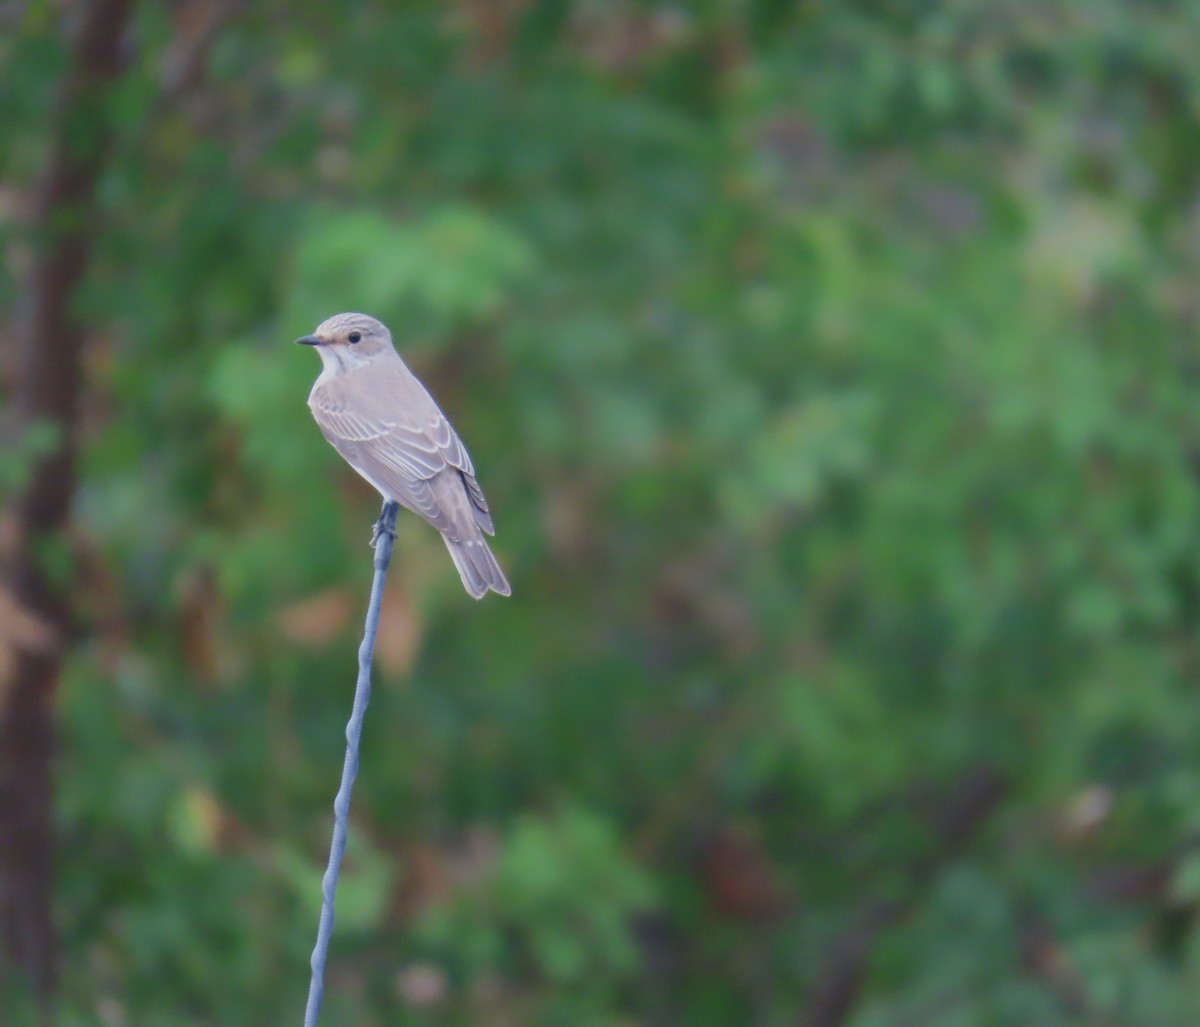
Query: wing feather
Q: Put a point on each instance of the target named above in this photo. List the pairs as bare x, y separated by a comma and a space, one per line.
395, 436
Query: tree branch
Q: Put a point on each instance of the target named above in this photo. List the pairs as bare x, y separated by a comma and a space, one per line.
840, 979
383, 539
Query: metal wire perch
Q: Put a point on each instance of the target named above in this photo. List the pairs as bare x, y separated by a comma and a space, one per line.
383, 539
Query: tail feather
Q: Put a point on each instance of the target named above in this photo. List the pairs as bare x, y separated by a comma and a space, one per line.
477, 566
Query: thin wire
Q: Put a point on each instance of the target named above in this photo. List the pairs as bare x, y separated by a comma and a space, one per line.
385, 536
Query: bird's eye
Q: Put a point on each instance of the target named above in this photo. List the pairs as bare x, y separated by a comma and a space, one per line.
354, 336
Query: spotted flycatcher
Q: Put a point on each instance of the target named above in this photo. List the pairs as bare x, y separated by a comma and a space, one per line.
373, 410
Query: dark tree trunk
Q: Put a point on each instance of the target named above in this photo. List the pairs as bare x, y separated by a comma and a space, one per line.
48, 392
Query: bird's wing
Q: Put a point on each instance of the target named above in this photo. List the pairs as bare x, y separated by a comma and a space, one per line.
396, 437
437, 430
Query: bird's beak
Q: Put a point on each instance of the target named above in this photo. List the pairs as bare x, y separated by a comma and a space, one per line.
310, 340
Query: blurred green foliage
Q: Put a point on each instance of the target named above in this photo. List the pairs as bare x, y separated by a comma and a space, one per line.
832, 372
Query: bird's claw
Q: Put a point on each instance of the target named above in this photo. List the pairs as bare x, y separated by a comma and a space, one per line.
382, 527
378, 530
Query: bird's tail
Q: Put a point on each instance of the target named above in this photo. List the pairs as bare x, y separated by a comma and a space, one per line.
477, 566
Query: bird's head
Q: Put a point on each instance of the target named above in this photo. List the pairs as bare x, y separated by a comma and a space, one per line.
348, 340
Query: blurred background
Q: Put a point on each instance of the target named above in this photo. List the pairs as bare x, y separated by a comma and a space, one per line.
832, 372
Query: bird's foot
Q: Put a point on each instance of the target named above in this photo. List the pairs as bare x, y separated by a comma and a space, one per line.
386, 525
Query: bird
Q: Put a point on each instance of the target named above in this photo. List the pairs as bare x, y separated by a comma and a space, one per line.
380, 418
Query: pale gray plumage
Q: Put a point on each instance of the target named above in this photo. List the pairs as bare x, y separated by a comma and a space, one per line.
379, 417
